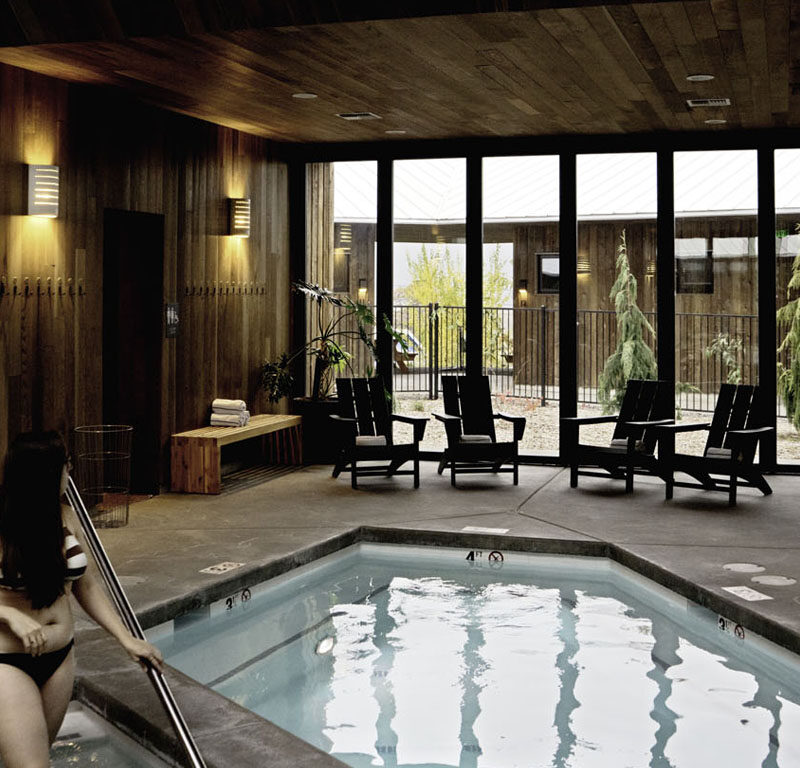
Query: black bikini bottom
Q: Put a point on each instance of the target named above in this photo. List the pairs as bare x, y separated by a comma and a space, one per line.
40, 668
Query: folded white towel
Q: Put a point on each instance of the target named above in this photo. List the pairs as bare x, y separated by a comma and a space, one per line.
234, 411
239, 419
226, 420
221, 402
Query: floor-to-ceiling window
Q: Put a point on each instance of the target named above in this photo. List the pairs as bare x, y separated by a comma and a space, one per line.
340, 258
787, 252
520, 293
616, 263
429, 268
716, 280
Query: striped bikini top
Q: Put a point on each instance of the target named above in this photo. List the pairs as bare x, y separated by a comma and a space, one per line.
76, 563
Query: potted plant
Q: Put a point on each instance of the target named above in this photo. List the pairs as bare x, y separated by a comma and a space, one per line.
339, 321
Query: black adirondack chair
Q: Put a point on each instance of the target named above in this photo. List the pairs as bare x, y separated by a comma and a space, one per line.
645, 405
469, 422
734, 433
365, 432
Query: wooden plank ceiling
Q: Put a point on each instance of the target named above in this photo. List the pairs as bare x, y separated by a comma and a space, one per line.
581, 68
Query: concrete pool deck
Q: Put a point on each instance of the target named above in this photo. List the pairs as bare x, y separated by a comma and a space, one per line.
298, 517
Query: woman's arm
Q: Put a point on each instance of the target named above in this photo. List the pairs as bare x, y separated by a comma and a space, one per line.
92, 597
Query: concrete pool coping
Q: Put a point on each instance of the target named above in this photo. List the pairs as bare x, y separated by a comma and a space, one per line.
229, 735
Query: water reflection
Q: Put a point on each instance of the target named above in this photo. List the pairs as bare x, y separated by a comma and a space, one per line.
470, 670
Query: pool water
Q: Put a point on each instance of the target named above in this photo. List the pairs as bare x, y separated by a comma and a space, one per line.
85, 740
413, 656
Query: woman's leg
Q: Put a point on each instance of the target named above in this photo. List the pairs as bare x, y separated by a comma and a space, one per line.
24, 741
56, 693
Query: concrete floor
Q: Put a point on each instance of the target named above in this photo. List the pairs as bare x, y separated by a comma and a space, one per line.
296, 518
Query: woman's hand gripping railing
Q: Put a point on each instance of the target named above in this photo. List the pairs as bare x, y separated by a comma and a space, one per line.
132, 623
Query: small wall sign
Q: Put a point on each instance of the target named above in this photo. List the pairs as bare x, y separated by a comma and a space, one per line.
172, 318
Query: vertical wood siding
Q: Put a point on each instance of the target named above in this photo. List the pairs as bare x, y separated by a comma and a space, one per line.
116, 153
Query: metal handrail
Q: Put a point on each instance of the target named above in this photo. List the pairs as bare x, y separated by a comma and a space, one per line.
132, 623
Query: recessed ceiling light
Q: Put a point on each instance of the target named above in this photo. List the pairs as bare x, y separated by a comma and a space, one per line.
715, 121
699, 78
395, 132
304, 95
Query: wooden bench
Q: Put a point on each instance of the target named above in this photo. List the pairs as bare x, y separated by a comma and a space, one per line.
195, 455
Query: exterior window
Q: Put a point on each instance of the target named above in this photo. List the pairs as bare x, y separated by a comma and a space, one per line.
547, 272
694, 266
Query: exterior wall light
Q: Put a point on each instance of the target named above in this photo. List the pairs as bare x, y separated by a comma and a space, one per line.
43, 191
522, 290
362, 288
239, 217
584, 268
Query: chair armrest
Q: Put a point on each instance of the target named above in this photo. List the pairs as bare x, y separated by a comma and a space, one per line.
419, 422
646, 424
749, 432
580, 420
519, 423
446, 418
345, 428
409, 419
675, 428
452, 426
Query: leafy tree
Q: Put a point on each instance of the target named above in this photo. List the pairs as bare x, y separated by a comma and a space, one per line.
632, 359
439, 277
788, 317
727, 349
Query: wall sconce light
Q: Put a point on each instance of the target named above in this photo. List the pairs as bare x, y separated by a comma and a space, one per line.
651, 269
523, 291
43, 191
584, 268
362, 288
239, 222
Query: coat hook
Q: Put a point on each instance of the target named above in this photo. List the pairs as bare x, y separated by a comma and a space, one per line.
49, 286
70, 287
27, 288
60, 286
81, 290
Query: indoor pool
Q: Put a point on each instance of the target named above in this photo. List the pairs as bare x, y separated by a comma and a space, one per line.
414, 656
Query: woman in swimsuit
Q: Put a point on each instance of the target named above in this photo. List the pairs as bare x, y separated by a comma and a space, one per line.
42, 562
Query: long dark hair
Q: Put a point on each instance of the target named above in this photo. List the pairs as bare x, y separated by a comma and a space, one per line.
31, 530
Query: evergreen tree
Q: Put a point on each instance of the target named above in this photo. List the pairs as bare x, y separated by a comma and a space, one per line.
632, 359
788, 317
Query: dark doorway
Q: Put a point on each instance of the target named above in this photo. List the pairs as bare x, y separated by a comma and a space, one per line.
133, 287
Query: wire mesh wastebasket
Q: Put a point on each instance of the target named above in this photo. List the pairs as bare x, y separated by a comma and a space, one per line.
103, 472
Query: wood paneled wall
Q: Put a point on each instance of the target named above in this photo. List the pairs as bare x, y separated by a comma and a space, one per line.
116, 153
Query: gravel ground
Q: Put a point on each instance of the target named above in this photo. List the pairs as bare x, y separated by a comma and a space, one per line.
541, 432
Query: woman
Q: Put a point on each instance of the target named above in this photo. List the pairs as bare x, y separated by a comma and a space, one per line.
42, 562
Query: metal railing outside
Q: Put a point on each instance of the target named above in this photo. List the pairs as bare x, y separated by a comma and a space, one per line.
128, 617
521, 350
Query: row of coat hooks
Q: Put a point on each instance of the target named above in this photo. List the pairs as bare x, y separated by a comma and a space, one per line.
40, 286
225, 288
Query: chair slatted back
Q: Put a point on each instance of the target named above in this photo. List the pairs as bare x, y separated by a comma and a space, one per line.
477, 414
721, 417
636, 401
644, 400
365, 401
450, 395
363, 407
738, 407
380, 408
